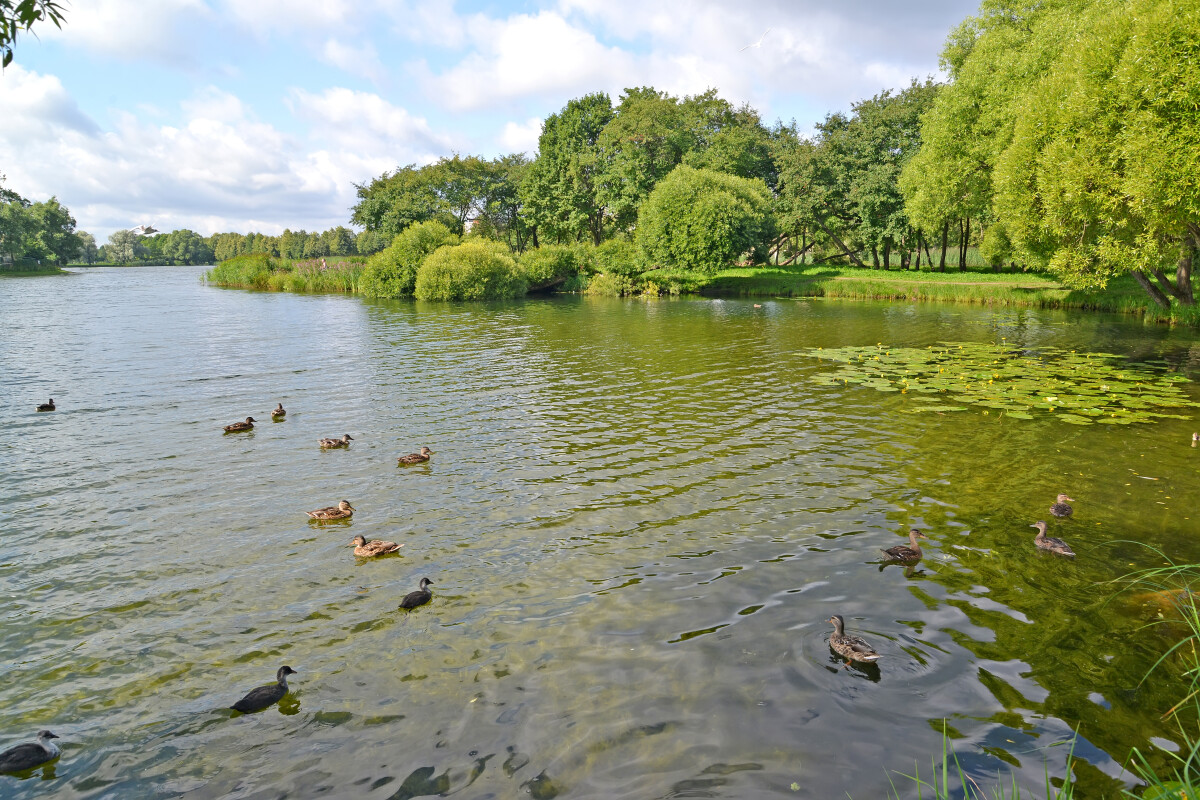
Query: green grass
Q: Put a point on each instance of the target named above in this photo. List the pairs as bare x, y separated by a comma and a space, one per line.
22, 272
267, 273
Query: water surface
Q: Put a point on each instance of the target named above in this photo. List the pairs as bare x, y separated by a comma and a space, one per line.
637, 519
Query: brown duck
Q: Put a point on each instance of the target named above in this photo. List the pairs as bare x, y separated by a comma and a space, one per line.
416, 458
342, 442
342, 510
1049, 542
1060, 507
375, 547
909, 553
279, 412
46, 406
852, 648
240, 426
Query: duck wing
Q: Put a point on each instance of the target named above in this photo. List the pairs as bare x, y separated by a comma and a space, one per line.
22, 757
901, 553
260, 698
417, 598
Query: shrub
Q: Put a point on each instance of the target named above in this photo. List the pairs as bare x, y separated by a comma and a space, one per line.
470, 271
704, 220
549, 265
620, 257
250, 271
392, 272
607, 284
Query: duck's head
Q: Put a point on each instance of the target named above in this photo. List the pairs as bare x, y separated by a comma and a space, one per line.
425, 451
345, 506
1195, 436
359, 541
279, 406
283, 672
838, 623
51, 402
43, 735
249, 419
426, 582
1062, 498
916, 534
1041, 526
347, 437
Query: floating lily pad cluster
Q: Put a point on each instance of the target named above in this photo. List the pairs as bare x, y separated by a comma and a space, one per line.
1078, 388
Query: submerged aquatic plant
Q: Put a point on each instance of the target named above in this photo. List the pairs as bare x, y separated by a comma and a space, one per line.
1078, 388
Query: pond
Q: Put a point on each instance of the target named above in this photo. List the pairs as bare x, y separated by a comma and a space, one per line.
637, 518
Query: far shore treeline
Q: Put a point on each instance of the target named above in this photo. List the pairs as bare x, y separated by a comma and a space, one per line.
1065, 143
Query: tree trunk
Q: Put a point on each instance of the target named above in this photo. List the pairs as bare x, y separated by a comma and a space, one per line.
1155, 293
1183, 272
874, 256
851, 255
945, 242
803, 246
964, 242
928, 258
887, 253
919, 240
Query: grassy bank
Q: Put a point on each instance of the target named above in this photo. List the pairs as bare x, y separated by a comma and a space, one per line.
263, 272
21, 272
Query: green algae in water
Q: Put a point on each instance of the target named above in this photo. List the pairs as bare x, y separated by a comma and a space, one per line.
1076, 388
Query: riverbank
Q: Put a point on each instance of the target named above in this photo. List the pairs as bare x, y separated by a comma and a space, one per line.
30, 273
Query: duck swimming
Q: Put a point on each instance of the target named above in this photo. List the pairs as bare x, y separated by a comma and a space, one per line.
342, 510
849, 647
1049, 542
342, 442
375, 547
416, 458
1060, 507
47, 406
240, 426
29, 755
418, 598
279, 412
907, 553
264, 696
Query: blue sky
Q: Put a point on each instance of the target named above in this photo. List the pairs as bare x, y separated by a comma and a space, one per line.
243, 115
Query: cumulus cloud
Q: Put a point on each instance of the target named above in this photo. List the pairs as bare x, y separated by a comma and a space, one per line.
521, 137
220, 168
359, 59
132, 29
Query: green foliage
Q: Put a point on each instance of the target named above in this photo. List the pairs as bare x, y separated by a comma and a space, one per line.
549, 265
392, 272
266, 272
1077, 388
19, 15
704, 220
609, 284
123, 247
251, 271
618, 257
470, 271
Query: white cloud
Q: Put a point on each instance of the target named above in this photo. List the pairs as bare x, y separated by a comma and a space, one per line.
359, 59
263, 17
218, 169
132, 29
519, 137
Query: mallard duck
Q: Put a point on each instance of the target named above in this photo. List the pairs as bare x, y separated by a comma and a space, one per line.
849, 647
240, 426
29, 754
910, 553
1060, 507
375, 547
342, 510
279, 412
1049, 542
416, 458
342, 442
418, 598
47, 406
265, 696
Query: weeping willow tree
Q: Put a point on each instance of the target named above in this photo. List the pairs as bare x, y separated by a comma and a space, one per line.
1073, 128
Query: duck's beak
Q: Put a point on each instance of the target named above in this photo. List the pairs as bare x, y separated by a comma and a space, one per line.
1033, 526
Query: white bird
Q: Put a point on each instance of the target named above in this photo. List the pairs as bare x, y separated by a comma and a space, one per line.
144, 230
759, 42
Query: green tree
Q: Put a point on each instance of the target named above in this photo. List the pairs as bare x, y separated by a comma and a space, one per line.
52, 233
705, 220
15, 223
560, 189
19, 15
470, 271
392, 272
395, 200
124, 247
187, 247
87, 252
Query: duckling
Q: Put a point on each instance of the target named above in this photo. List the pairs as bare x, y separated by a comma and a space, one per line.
342, 510
375, 547
279, 412
240, 426
416, 458
1195, 437
1060, 507
910, 553
852, 648
46, 406
342, 442
29, 755
1049, 542
419, 597
265, 696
